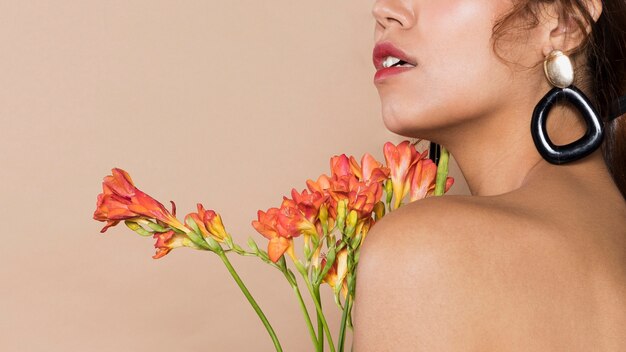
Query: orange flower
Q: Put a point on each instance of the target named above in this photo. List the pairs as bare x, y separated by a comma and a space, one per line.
121, 200
370, 170
280, 225
291, 221
267, 226
166, 241
309, 203
336, 275
400, 160
340, 165
423, 180
321, 185
360, 196
210, 223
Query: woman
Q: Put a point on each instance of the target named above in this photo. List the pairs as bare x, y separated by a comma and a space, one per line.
535, 258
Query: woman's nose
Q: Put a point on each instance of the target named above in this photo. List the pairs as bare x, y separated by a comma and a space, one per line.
393, 13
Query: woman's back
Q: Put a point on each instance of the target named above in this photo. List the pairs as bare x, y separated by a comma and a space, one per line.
541, 268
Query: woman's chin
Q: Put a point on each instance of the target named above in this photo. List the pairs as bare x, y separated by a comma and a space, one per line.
401, 128
406, 125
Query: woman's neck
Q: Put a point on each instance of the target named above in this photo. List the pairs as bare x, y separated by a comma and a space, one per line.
499, 156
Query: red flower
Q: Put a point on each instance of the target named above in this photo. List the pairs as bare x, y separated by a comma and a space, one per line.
267, 225
209, 223
280, 225
166, 241
401, 159
359, 196
340, 165
121, 200
321, 185
370, 169
423, 180
309, 203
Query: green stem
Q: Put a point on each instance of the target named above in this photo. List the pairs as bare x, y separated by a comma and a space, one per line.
344, 320
442, 172
305, 311
320, 314
256, 307
320, 325
318, 306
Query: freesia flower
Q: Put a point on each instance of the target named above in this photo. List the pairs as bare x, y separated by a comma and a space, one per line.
121, 200
400, 160
336, 275
423, 179
340, 165
309, 203
266, 226
370, 170
292, 222
166, 241
359, 195
340, 209
280, 225
209, 223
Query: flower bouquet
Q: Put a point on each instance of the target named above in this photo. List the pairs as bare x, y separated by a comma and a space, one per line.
332, 216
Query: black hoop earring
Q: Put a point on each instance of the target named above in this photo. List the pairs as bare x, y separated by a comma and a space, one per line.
560, 73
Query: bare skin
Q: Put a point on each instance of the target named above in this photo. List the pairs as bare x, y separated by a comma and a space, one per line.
535, 258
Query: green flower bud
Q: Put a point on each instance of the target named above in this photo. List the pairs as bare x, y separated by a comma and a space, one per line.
155, 227
388, 191
323, 214
356, 241
253, 245
195, 235
330, 260
137, 228
213, 244
351, 222
341, 214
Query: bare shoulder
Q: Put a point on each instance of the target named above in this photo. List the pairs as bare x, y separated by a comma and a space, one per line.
469, 273
454, 223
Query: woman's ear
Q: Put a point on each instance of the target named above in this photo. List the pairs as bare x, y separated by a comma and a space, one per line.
566, 29
569, 27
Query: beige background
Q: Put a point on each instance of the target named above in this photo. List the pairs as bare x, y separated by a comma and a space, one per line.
227, 103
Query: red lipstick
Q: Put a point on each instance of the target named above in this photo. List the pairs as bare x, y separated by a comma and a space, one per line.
383, 50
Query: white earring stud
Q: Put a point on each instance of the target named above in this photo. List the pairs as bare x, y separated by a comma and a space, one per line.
559, 69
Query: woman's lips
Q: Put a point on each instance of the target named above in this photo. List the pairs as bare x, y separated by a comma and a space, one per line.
385, 49
390, 71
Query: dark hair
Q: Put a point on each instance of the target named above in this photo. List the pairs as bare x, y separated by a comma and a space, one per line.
604, 78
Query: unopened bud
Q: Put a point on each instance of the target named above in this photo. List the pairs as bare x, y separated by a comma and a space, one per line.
253, 245
356, 241
351, 223
213, 244
154, 226
379, 210
341, 214
137, 228
323, 214
216, 226
328, 263
388, 191
195, 235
